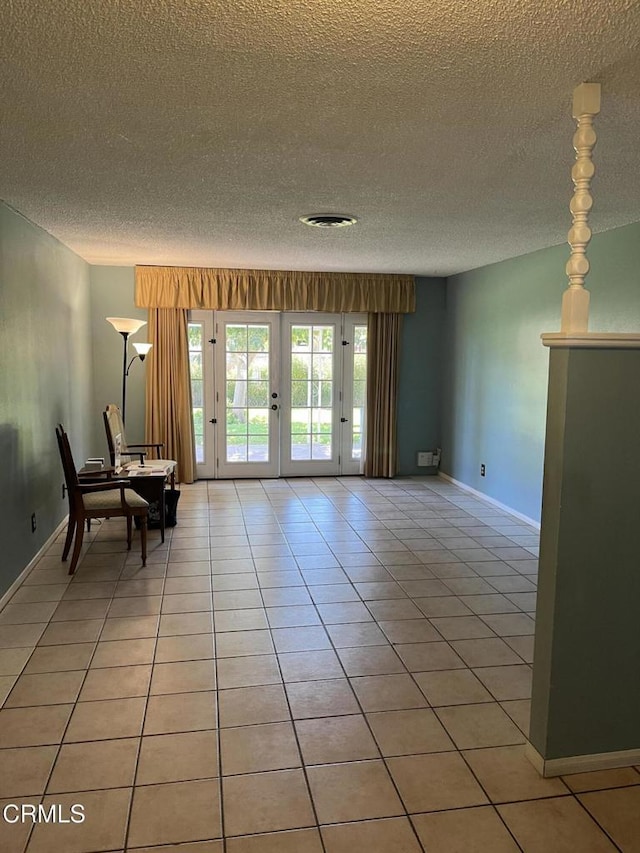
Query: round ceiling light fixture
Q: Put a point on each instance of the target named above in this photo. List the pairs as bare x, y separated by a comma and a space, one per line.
328, 220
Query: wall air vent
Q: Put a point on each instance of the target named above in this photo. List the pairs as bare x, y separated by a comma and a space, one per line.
328, 220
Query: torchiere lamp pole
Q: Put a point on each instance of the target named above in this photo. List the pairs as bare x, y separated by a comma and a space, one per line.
128, 327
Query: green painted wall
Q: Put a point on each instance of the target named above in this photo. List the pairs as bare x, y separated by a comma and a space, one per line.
112, 295
420, 376
586, 691
45, 378
496, 368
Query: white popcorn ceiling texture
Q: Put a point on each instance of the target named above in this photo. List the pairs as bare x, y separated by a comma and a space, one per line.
196, 132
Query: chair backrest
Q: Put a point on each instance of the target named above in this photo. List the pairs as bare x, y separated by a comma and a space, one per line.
66, 457
114, 428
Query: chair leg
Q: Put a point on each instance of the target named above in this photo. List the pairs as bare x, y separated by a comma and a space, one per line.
129, 532
77, 547
88, 525
143, 538
71, 527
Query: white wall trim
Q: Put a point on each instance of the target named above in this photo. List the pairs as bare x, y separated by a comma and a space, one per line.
489, 500
31, 565
581, 763
591, 340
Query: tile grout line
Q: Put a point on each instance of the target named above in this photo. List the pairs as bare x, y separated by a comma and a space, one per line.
293, 727
307, 586
365, 720
127, 826
596, 821
77, 700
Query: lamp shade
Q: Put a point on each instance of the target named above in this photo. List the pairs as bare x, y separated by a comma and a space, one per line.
142, 349
125, 325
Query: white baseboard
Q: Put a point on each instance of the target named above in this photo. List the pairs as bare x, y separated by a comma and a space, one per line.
23, 574
489, 500
581, 763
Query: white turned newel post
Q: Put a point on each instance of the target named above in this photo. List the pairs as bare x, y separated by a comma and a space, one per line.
584, 711
575, 302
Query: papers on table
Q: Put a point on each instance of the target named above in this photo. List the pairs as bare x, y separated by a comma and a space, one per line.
150, 470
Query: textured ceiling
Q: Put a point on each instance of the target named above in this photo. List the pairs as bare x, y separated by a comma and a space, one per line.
196, 132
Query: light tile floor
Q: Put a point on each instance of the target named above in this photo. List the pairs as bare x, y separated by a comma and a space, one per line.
330, 665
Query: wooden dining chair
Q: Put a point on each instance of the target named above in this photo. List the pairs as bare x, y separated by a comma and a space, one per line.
126, 453
107, 499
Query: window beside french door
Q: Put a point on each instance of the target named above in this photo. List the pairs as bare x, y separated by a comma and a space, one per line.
278, 393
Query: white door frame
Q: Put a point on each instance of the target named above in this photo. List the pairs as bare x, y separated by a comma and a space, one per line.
350, 463
206, 467
290, 467
229, 468
214, 464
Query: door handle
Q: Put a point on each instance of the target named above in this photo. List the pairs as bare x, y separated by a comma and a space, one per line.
343, 420
274, 407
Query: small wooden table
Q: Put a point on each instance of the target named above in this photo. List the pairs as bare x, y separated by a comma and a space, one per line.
149, 482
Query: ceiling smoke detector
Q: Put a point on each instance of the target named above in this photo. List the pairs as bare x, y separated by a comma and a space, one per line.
328, 220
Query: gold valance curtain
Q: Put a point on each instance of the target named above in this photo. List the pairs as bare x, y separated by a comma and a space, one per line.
273, 290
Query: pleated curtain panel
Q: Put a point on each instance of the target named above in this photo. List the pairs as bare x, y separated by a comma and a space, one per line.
168, 392
383, 347
170, 292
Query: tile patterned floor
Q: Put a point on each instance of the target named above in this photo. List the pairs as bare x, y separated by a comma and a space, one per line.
306, 665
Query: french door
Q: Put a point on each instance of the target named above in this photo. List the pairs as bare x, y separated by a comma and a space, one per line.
278, 394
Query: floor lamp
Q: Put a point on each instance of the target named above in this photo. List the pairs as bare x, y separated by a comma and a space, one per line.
128, 327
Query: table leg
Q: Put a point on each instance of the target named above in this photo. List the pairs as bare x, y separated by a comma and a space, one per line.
163, 504
152, 488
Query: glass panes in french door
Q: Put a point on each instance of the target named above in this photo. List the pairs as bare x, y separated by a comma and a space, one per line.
311, 372
278, 394
247, 401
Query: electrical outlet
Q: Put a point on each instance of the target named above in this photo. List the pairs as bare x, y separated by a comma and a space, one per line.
33, 523
483, 470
